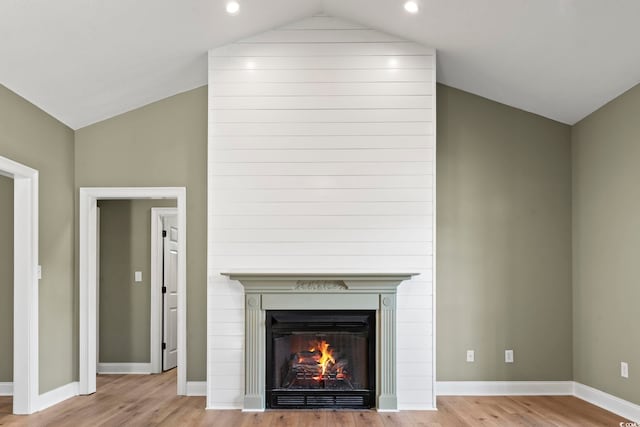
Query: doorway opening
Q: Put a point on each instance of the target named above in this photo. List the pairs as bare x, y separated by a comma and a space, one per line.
136, 280
135, 277
24, 387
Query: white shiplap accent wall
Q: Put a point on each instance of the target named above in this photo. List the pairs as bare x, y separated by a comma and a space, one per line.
321, 158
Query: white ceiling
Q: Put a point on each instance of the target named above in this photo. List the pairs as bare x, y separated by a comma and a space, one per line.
83, 61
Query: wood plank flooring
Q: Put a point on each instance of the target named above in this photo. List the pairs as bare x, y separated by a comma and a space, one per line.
150, 400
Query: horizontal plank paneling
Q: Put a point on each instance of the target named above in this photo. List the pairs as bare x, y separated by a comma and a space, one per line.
226, 316
318, 102
323, 248
227, 355
336, 181
330, 128
326, 195
320, 169
321, 49
324, 262
322, 235
226, 328
323, 116
326, 221
320, 89
324, 75
321, 158
318, 156
324, 142
382, 62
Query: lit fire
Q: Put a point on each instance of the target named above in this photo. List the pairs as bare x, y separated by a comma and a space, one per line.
325, 357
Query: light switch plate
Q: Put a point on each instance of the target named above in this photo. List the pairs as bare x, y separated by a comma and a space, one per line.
471, 355
508, 356
138, 276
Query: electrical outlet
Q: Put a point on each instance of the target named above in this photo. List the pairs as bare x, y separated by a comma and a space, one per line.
137, 276
508, 356
624, 369
471, 356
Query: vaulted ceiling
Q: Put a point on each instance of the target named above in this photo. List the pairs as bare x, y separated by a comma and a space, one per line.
83, 61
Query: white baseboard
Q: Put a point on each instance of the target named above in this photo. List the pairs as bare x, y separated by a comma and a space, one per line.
6, 389
57, 395
222, 407
503, 388
411, 407
594, 396
124, 368
607, 401
196, 388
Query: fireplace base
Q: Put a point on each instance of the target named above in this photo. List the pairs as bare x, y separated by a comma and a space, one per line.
305, 399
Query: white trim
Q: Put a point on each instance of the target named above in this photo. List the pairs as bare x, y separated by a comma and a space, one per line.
157, 214
413, 407
87, 269
216, 407
25, 284
504, 388
196, 388
434, 264
98, 237
607, 401
124, 368
57, 395
6, 389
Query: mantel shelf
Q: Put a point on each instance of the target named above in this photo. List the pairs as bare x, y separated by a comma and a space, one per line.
291, 282
237, 275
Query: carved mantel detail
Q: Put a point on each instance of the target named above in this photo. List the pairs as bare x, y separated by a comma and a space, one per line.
320, 285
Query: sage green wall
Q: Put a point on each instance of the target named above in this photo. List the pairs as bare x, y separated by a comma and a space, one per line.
6, 279
606, 246
504, 242
30, 136
125, 305
160, 144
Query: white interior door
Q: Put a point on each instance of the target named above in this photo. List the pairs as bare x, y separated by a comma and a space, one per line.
170, 294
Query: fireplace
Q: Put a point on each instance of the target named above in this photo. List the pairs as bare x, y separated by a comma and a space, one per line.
311, 318
320, 359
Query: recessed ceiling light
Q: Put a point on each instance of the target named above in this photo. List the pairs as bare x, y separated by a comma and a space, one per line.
411, 6
233, 7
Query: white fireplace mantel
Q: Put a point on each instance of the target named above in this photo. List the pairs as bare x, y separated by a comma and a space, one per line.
320, 291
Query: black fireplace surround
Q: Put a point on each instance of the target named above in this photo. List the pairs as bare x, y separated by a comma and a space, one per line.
320, 359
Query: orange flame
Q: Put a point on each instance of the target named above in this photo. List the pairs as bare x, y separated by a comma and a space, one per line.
326, 357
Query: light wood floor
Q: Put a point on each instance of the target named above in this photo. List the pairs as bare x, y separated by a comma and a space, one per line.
150, 400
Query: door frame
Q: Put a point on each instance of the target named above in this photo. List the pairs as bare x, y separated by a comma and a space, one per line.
89, 197
25, 285
157, 254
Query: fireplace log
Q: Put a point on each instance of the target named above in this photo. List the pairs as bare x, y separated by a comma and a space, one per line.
306, 358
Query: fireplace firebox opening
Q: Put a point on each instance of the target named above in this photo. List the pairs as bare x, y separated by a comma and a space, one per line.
320, 359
